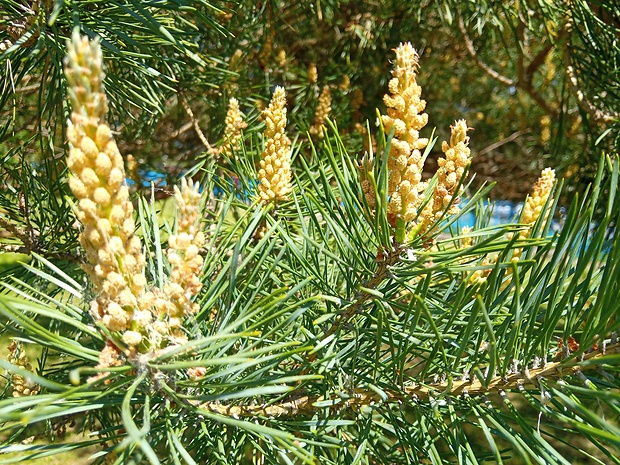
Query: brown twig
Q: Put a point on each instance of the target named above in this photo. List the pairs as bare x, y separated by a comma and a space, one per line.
29, 88
15, 248
538, 60
469, 45
31, 244
505, 140
194, 122
182, 129
524, 81
598, 115
418, 392
363, 296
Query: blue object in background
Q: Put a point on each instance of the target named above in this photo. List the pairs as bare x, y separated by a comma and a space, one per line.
503, 212
148, 177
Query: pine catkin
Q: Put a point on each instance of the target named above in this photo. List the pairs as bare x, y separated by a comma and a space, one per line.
532, 209
22, 385
406, 118
322, 112
235, 60
183, 251
275, 164
281, 58
144, 320
451, 170
234, 125
535, 202
313, 74
357, 100
115, 263
466, 241
534, 205
366, 173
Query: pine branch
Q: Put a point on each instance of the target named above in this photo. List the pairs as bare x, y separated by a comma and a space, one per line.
598, 115
524, 81
363, 295
469, 45
514, 136
359, 398
538, 60
194, 122
31, 244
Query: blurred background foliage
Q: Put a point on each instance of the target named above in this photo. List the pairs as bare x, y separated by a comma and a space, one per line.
538, 80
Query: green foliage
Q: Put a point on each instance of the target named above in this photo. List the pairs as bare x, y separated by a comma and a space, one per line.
538, 78
286, 378
318, 339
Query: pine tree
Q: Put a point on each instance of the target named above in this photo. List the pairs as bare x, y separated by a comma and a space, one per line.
307, 300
